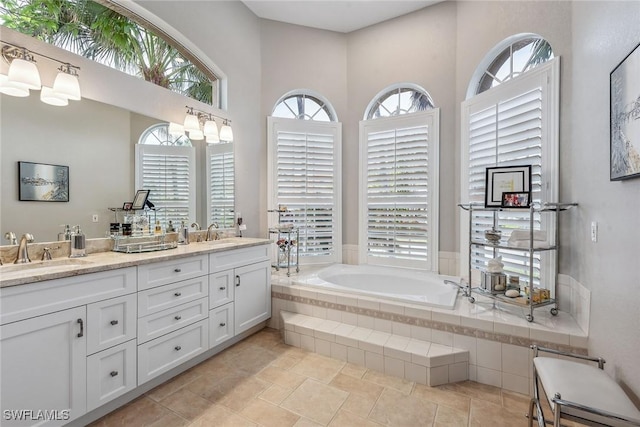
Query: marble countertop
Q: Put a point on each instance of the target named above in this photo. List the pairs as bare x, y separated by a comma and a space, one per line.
37, 271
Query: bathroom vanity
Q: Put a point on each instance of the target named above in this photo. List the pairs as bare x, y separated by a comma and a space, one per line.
80, 338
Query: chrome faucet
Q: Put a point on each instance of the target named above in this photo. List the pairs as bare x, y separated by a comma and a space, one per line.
216, 236
11, 237
46, 254
23, 254
196, 226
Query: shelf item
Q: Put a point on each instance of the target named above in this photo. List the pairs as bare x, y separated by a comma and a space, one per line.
287, 241
528, 242
142, 243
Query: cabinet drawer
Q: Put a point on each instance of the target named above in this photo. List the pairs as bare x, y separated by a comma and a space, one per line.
167, 296
221, 324
111, 373
36, 299
162, 354
161, 273
230, 259
111, 322
158, 324
221, 288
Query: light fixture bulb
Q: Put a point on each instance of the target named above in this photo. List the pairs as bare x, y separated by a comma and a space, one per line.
11, 88
49, 96
210, 129
67, 85
196, 135
226, 133
191, 123
176, 129
24, 72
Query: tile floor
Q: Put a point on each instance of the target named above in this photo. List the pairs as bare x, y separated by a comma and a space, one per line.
263, 382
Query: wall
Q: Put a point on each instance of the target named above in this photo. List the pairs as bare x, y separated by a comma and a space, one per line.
603, 34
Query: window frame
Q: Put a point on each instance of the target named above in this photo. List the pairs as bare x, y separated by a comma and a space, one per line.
212, 150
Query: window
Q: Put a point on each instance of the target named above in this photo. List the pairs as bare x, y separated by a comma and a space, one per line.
399, 180
305, 174
165, 164
513, 123
220, 185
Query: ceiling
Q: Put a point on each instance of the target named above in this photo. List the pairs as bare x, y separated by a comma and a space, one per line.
335, 15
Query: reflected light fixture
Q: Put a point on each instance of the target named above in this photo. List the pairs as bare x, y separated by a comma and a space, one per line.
176, 129
51, 97
12, 89
196, 135
191, 122
226, 133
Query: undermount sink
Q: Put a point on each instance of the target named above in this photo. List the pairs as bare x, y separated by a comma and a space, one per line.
52, 264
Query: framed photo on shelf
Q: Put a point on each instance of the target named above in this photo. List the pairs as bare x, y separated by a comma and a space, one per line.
624, 126
507, 179
127, 206
140, 200
517, 200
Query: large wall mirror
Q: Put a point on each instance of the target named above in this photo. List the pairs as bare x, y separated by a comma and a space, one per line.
96, 138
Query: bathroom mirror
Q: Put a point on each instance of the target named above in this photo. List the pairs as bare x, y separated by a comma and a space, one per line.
95, 139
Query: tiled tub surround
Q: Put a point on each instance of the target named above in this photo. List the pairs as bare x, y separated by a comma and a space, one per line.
496, 337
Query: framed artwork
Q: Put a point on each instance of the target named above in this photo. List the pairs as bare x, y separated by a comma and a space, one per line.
127, 206
506, 179
517, 200
140, 200
624, 116
41, 182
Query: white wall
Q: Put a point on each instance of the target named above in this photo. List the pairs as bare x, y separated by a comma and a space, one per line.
603, 34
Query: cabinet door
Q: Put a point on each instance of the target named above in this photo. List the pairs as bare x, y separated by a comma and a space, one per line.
221, 324
44, 367
221, 288
111, 322
252, 295
111, 373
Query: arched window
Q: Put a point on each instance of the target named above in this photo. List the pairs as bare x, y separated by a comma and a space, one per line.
399, 145
513, 123
509, 59
304, 176
304, 106
166, 165
399, 99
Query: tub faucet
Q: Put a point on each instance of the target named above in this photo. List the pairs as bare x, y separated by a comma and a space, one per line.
23, 254
216, 236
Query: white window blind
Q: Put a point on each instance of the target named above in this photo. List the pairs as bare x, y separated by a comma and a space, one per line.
305, 176
509, 125
220, 185
399, 181
169, 172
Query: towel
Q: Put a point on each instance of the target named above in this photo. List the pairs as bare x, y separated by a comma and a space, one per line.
520, 239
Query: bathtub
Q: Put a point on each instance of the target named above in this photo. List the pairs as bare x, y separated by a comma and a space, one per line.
386, 283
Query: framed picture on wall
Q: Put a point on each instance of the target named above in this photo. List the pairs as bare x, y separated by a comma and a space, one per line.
40, 182
624, 116
507, 179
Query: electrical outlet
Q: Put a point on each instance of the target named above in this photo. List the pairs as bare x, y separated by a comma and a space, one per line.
94, 218
594, 231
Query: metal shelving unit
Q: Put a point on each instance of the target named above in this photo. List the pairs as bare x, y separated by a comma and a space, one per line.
287, 241
531, 249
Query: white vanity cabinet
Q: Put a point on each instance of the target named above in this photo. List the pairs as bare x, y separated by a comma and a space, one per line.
173, 310
45, 339
240, 291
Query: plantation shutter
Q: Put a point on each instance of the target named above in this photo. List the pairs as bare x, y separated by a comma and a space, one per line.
399, 158
305, 177
220, 185
506, 126
169, 172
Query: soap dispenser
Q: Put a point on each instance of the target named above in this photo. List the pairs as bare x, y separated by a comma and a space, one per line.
78, 243
66, 234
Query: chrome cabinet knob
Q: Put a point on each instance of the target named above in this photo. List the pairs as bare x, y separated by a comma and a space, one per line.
223, 324
178, 294
178, 317
114, 322
178, 348
113, 373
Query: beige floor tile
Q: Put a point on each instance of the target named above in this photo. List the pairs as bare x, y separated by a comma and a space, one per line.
266, 414
275, 394
281, 377
355, 371
186, 404
306, 422
475, 390
516, 403
397, 409
319, 367
243, 393
439, 396
286, 361
213, 388
220, 416
140, 412
174, 384
349, 419
447, 417
359, 404
170, 420
267, 338
388, 381
484, 413
314, 400
354, 385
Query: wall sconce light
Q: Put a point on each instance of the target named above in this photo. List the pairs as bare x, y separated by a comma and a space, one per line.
24, 76
209, 129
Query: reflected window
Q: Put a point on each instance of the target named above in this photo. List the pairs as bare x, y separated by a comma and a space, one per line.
399, 100
96, 31
159, 135
303, 106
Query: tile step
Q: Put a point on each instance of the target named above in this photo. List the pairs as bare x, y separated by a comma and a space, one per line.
412, 359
